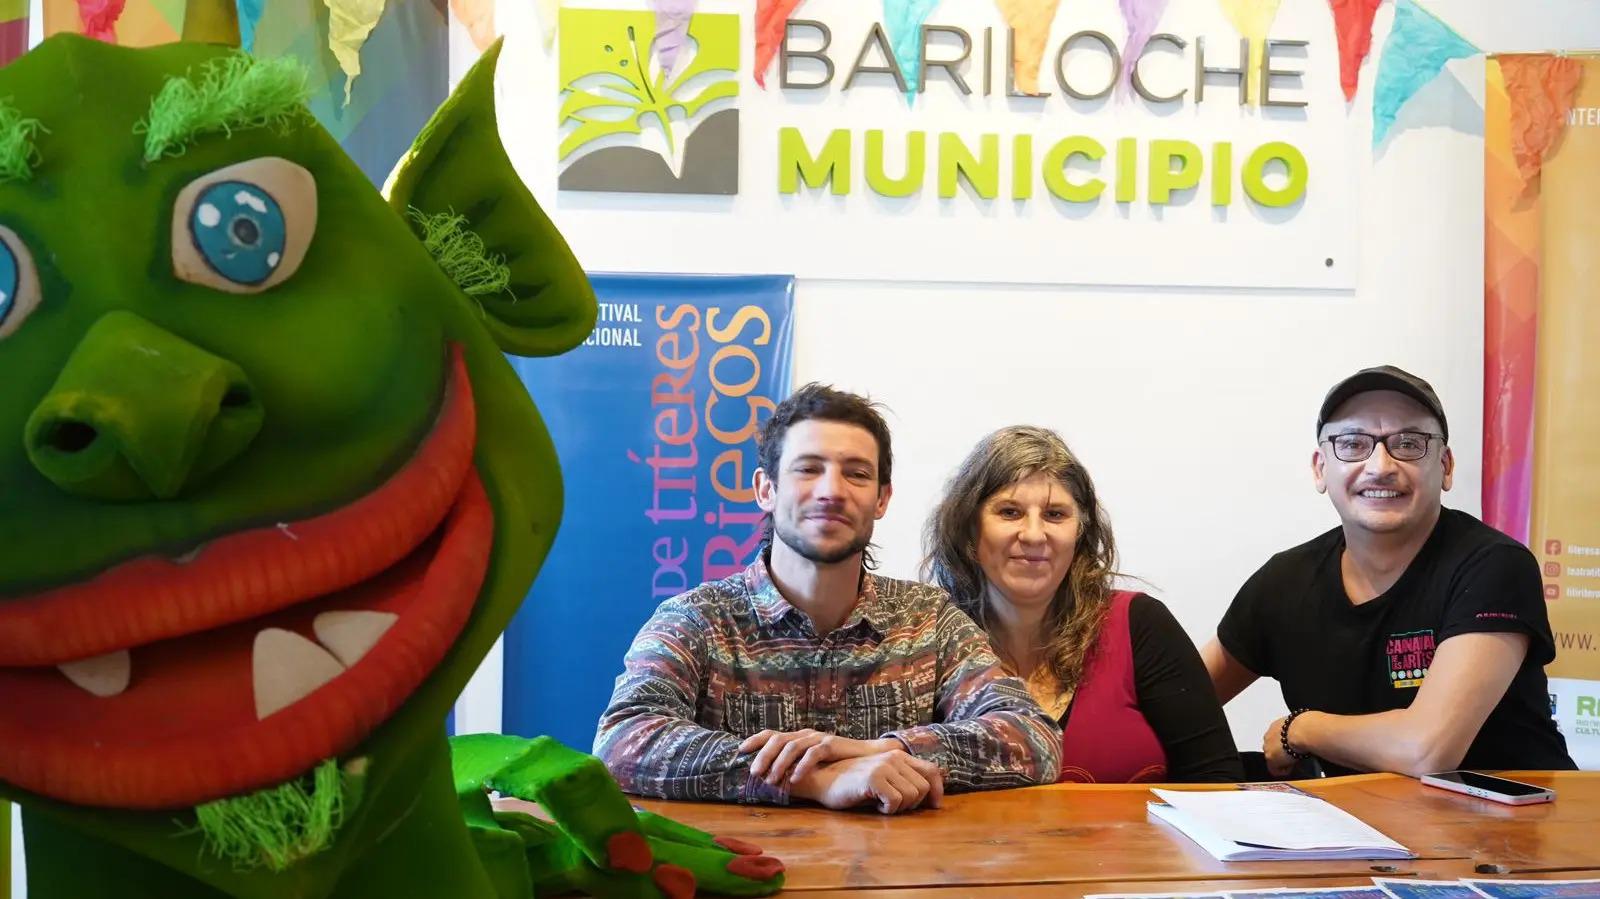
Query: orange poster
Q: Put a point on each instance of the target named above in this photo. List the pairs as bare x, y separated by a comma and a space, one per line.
1565, 523
1542, 354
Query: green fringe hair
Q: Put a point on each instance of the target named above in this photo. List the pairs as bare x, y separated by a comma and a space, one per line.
232, 92
276, 827
462, 253
18, 155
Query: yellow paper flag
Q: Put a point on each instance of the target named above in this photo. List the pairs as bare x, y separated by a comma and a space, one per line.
1252, 19
477, 16
1030, 20
349, 23
549, 13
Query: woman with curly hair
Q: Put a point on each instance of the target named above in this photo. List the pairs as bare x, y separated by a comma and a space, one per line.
1022, 544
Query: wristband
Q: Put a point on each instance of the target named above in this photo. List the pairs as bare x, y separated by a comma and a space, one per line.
1283, 736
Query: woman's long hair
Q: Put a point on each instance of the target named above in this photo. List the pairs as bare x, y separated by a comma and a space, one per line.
1076, 612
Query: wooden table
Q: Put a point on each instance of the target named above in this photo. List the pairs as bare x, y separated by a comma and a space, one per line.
1071, 840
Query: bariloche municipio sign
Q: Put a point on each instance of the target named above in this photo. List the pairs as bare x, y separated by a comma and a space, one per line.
946, 152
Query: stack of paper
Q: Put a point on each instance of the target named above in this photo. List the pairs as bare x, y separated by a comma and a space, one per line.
1264, 826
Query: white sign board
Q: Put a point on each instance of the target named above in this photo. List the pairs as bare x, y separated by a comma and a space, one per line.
960, 181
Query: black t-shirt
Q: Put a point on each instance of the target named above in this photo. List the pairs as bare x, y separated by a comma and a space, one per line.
1293, 622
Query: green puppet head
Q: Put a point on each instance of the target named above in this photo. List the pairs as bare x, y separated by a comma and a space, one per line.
271, 490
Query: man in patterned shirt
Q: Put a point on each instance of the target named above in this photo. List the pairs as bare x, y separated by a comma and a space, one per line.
807, 677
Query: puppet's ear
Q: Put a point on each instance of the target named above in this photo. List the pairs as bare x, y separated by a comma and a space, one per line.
458, 165
211, 22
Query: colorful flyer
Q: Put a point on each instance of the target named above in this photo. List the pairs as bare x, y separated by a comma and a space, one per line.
1350, 892
1157, 896
1537, 889
1405, 888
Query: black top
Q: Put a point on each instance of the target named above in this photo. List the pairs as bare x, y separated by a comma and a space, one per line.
1176, 697
1293, 622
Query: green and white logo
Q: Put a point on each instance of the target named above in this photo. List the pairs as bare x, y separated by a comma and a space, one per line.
1588, 717
647, 109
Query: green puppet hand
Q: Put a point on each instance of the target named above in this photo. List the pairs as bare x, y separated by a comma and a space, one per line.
595, 842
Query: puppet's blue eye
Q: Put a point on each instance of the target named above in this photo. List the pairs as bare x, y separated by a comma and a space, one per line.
244, 228
19, 282
239, 230
10, 280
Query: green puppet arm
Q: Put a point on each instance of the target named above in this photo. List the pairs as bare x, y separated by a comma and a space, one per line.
597, 842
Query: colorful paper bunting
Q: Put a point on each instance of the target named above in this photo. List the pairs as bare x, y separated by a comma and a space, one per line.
477, 16
99, 18
1142, 17
1030, 20
772, 18
1352, 24
349, 23
903, 20
1252, 19
1541, 88
249, 17
1418, 47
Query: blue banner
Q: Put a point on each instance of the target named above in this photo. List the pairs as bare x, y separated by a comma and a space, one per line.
654, 419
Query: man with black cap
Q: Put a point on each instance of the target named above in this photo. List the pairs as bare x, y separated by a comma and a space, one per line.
1412, 638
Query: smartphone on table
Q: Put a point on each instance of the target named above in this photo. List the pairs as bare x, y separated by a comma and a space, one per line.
1486, 786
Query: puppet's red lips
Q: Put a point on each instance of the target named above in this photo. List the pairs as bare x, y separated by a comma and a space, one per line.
270, 650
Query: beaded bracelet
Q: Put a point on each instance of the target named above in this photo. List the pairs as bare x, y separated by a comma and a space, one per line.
1283, 736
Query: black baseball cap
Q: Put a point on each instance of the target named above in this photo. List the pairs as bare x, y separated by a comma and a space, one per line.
1383, 377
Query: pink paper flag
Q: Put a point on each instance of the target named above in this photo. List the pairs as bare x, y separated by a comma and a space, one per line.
1030, 20
100, 17
772, 18
1142, 17
672, 29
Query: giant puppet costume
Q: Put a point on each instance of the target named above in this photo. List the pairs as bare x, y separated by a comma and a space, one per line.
268, 493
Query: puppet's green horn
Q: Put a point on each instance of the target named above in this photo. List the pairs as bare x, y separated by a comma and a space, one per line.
211, 22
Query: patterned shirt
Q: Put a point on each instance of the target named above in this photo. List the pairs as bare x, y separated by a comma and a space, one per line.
732, 658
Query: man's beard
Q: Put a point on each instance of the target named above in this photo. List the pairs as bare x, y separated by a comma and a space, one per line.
813, 553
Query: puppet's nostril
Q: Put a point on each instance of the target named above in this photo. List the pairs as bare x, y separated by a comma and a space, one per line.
237, 396
70, 436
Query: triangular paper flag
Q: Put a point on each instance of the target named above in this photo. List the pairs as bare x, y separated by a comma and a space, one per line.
1352, 24
903, 19
1142, 17
1030, 20
1541, 89
672, 29
772, 18
1417, 48
99, 18
477, 16
249, 17
549, 14
349, 24
1252, 19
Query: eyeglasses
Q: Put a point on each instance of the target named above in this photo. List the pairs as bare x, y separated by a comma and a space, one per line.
1403, 446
